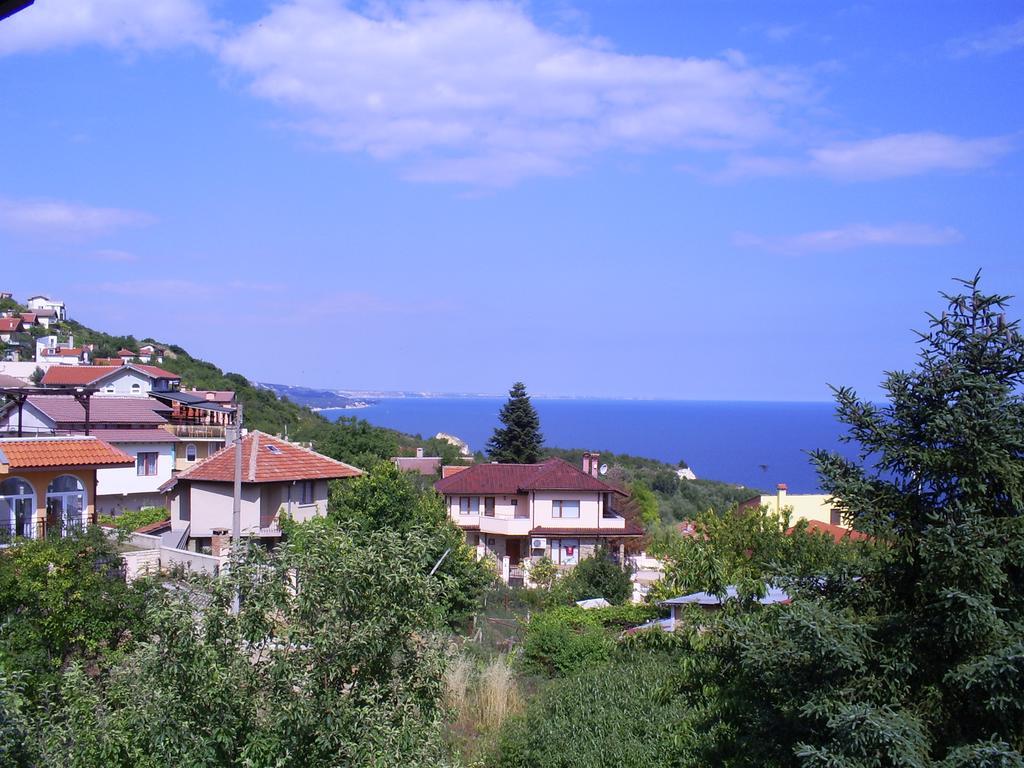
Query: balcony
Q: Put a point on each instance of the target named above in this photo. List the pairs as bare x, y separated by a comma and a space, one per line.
197, 431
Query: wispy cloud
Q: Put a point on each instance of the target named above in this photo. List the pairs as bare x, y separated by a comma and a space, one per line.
886, 157
476, 92
62, 218
117, 24
991, 42
109, 254
851, 237
173, 289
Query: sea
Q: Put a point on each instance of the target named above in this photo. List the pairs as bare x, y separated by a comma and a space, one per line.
755, 444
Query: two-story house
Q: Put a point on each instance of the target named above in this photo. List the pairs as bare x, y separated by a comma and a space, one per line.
45, 304
279, 479
516, 513
139, 427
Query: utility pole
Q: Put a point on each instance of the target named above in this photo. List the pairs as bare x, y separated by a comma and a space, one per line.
236, 504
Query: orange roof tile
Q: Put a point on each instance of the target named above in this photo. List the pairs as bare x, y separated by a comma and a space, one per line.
267, 459
837, 532
81, 375
42, 452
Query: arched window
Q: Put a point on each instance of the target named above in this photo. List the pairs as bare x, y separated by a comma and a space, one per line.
190, 452
17, 509
136, 388
65, 505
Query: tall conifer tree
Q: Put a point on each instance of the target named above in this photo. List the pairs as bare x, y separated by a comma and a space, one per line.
520, 440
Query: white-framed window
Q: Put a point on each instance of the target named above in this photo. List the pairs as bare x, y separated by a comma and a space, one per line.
65, 504
145, 463
136, 388
488, 506
17, 509
469, 505
190, 452
565, 508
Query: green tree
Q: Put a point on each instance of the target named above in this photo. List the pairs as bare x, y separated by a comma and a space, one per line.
334, 659
920, 660
386, 499
600, 576
646, 503
519, 441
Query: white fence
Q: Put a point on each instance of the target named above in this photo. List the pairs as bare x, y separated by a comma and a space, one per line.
151, 556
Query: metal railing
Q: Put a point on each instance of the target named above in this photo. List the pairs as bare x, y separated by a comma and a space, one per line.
198, 431
12, 530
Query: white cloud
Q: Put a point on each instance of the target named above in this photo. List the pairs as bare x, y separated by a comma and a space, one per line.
907, 154
996, 40
887, 157
853, 236
61, 218
476, 92
119, 24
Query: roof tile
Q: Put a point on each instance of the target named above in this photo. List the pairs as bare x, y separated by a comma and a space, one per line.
41, 452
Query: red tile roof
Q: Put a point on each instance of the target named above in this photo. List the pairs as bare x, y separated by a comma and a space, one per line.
837, 532
452, 469
42, 452
267, 459
83, 375
550, 475
103, 409
9, 324
28, 317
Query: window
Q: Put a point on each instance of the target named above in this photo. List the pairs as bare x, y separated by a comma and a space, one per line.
305, 492
469, 505
136, 388
565, 551
562, 508
516, 512
65, 504
190, 452
836, 517
488, 506
17, 509
145, 464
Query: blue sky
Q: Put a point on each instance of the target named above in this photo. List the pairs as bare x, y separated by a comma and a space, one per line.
700, 200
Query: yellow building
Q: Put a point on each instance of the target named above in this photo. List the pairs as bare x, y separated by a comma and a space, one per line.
818, 507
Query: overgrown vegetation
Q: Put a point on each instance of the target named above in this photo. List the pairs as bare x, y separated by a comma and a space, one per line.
134, 519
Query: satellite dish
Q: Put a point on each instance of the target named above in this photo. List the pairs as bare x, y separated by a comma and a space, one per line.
604, 469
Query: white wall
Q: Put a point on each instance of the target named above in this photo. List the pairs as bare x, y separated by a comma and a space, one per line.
123, 381
125, 480
32, 421
590, 510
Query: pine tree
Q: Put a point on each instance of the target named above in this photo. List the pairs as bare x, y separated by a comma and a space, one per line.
917, 659
520, 440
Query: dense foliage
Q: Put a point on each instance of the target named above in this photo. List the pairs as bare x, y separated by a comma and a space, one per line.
565, 640
62, 599
600, 576
613, 714
333, 660
389, 500
920, 660
519, 440
134, 519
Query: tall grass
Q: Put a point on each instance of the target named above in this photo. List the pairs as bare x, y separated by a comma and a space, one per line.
457, 679
481, 697
497, 694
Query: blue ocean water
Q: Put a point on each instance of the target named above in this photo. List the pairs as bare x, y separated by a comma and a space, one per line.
755, 444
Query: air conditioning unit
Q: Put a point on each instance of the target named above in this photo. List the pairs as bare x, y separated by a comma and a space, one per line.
539, 544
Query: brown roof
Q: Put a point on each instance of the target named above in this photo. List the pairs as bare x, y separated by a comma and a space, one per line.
106, 409
267, 459
215, 395
41, 452
152, 435
81, 375
12, 381
425, 465
629, 530
549, 475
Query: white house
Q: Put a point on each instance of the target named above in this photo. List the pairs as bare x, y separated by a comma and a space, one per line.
132, 379
279, 479
42, 303
518, 513
136, 426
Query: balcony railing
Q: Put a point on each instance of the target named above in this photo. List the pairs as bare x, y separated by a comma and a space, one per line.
496, 515
13, 530
198, 431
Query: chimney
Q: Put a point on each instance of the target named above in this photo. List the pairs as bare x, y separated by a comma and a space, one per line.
419, 453
220, 542
780, 496
591, 463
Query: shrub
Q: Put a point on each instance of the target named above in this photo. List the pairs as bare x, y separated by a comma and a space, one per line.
599, 576
619, 617
616, 715
564, 640
136, 518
